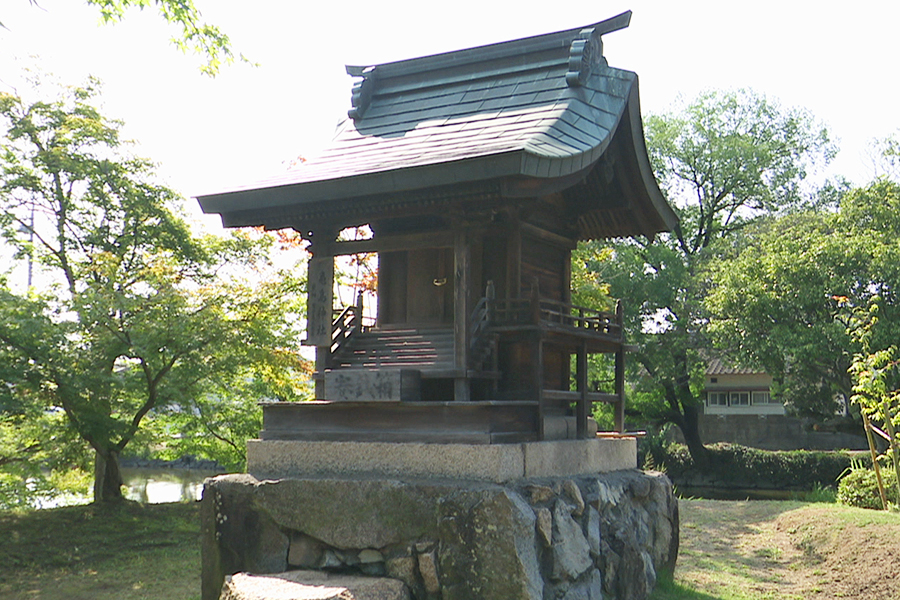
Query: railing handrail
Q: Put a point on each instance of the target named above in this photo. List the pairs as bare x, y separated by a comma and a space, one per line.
521, 310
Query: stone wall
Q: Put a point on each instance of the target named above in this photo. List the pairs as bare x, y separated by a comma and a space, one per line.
586, 537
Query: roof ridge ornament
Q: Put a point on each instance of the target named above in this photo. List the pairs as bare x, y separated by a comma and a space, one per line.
585, 53
586, 50
363, 90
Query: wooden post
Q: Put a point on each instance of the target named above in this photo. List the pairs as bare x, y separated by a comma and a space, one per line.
320, 311
358, 323
582, 406
620, 371
461, 315
535, 301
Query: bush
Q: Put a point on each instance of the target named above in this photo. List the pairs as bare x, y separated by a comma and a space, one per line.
859, 488
740, 467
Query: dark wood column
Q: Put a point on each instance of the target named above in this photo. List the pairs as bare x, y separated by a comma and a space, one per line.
462, 281
582, 407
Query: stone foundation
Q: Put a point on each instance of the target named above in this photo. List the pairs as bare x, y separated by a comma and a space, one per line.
495, 463
571, 537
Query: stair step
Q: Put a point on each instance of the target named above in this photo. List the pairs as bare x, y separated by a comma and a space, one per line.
400, 348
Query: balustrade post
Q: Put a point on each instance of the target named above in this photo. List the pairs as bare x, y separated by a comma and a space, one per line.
357, 325
535, 301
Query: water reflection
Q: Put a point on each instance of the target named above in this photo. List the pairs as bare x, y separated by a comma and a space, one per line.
158, 486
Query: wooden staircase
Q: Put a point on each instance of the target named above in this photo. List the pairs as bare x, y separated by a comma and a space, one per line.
428, 349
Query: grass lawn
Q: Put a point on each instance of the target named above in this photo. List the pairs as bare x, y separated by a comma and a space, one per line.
757, 550
769, 550
128, 552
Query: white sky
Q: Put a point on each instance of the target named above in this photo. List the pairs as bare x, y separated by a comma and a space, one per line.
836, 59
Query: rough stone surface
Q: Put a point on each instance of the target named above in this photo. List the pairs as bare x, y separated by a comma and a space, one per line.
571, 552
488, 547
570, 489
236, 536
428, 569
305, 552
592, 531
591, 588
311, 585
332, 509
450, 540
544, 523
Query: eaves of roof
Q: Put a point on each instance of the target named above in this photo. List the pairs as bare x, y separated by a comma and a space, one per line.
534, 108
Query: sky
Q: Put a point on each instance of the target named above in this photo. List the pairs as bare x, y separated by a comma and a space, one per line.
250, 122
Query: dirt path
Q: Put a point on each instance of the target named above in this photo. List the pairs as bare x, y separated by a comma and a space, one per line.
788, 550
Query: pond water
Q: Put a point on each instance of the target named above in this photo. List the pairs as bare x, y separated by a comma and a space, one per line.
148, 486
159, 486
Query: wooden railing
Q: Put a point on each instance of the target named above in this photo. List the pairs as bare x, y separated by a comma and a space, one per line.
346, 322
538, 311
580, 317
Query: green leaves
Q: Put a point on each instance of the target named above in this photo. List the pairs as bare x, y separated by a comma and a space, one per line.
727, 157
195, 36
150, 319
725, 160
779, 298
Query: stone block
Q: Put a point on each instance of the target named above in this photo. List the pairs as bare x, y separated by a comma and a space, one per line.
571, 551
496, 463
311, 585
373, 385
579, 457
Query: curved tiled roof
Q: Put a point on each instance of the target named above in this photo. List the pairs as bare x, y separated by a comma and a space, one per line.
542, 108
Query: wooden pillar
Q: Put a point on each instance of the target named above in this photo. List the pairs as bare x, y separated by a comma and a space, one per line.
620, 372
461, 281
514, 259
320, 311
582, 406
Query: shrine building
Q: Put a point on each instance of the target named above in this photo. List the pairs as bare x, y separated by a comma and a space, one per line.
478, 172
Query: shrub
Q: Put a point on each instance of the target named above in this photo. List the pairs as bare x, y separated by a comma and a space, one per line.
859, 487
734, 466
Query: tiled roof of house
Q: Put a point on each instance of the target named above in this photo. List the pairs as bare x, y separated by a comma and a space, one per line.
539, 108
717, 366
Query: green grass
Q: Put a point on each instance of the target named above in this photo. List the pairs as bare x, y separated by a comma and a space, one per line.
127, 552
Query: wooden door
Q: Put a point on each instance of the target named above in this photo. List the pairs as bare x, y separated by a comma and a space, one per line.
429, 286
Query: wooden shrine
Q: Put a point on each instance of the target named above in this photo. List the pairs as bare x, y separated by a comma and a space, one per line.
478, 171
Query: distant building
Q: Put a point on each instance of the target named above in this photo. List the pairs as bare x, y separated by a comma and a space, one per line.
738, 391
740, 408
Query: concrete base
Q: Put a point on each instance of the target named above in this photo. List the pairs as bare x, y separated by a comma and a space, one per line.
495, 463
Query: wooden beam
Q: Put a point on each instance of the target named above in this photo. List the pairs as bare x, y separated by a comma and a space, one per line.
390, 243
548, 236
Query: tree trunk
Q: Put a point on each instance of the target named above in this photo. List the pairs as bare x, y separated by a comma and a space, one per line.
690, 429
107, 477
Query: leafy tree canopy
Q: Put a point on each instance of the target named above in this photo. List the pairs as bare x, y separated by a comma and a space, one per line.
130, 315
778, 300
723, 160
